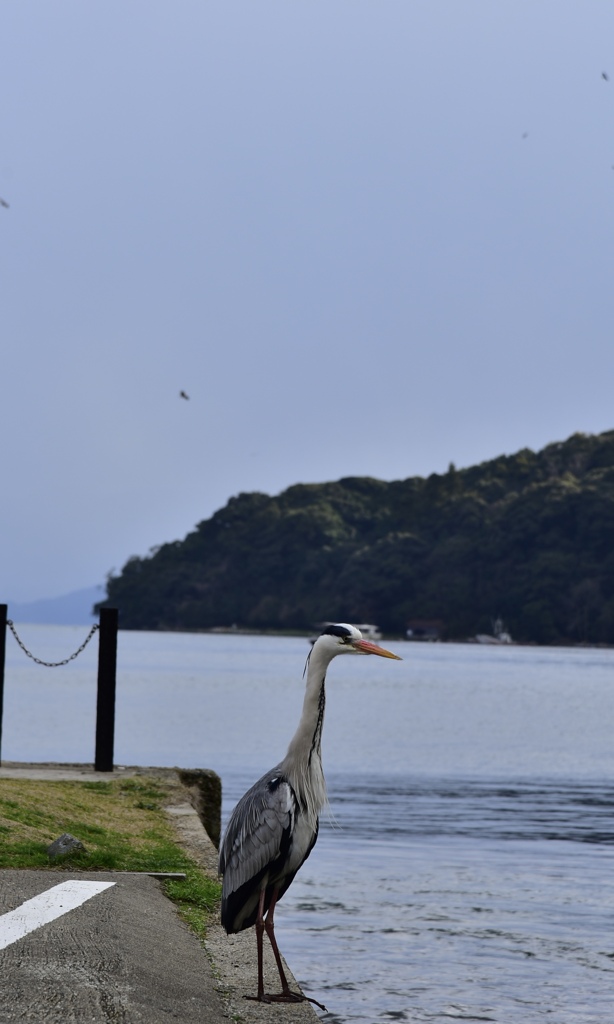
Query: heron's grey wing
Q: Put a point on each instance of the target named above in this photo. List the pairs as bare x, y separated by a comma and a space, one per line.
258, 831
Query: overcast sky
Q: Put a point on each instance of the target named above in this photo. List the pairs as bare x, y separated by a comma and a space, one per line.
366, 238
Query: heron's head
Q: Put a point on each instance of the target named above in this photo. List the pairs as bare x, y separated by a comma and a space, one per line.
341, 638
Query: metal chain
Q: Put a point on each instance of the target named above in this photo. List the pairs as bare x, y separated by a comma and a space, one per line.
51, 664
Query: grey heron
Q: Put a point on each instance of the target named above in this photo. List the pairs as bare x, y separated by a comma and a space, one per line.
274, 827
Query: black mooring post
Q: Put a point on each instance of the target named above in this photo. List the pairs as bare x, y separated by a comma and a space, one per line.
105, 704
3, 617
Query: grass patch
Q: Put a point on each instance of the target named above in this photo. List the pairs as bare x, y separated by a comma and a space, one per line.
197, 898
120, 829
121, 824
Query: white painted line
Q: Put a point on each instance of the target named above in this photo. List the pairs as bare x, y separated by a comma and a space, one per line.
42, 909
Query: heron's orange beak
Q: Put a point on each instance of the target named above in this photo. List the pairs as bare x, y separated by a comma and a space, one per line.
366, 647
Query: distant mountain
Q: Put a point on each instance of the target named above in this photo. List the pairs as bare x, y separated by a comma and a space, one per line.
74, 609
526, 537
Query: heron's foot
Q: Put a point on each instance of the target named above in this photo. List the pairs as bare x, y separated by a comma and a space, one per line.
287, 996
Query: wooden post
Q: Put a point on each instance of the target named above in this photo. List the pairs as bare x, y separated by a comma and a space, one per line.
3, 617
105, 704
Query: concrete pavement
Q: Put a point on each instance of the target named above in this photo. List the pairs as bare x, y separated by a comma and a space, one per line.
124, 955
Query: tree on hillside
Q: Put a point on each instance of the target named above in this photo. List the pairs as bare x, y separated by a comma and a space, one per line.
528, 536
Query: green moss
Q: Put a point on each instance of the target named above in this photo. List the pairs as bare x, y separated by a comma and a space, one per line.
197, 897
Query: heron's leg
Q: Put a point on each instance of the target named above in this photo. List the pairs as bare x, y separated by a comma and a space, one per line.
259, 935
286, 995
270, 930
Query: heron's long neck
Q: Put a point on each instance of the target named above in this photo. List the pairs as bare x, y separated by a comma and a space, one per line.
303, 762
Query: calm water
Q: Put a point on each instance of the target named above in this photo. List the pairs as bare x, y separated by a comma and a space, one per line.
467, 874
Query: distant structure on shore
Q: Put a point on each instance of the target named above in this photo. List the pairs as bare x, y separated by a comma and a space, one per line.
428, 630
499, 635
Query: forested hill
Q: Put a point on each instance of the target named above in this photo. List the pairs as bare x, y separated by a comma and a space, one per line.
528, 537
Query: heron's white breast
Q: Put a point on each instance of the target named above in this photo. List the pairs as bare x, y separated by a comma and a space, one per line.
302, 840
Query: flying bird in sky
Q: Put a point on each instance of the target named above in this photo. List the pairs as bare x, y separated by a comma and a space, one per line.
4, 203
273, 828
182, 394
603, 75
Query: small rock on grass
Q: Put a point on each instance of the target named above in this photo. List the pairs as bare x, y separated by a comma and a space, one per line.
65, 844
